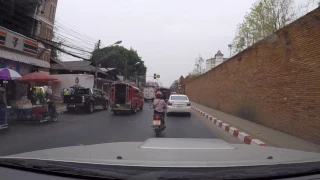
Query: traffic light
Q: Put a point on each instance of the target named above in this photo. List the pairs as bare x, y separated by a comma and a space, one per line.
155, 76
179, 87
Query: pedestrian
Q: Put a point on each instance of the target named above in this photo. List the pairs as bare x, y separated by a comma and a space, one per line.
3, 100
3, 107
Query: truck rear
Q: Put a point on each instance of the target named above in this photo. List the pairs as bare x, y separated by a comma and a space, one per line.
120, 97
165, 93
148, 94
78, 99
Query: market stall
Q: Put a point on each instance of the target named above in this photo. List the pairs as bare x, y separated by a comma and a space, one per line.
33, 106
5, 75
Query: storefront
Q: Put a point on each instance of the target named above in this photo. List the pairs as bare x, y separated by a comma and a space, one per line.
19, 53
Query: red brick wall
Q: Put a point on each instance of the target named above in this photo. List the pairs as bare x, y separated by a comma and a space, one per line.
275, 83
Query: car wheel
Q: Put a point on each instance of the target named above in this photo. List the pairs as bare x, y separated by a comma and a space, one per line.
158, 133
91, 108
134, 111
106, 106
168, 114
189, 114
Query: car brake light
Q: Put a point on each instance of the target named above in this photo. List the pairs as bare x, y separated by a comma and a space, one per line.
188, 104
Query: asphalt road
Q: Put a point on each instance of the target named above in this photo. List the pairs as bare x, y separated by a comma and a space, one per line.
99, 127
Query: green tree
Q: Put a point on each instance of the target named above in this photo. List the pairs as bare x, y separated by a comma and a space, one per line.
119, 57
265, 18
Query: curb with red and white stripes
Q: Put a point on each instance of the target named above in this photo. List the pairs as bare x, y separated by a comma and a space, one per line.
242, 136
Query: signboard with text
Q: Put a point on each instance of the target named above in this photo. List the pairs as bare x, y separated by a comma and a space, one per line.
18, 42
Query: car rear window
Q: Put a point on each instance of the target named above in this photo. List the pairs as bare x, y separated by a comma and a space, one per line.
81, 91
179, 98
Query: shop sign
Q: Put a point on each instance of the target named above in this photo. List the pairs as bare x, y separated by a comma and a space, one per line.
18, 42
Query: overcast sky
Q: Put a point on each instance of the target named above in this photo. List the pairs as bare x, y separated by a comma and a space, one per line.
168, 34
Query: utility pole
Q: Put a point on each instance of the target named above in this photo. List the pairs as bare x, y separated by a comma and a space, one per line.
96, 69
99, 60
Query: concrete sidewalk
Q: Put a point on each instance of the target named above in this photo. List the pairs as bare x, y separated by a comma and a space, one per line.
270, 136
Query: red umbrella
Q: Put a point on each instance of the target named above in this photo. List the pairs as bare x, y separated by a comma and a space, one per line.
37, 77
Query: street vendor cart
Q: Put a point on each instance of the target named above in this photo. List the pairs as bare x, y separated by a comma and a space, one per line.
5, 75
40, 108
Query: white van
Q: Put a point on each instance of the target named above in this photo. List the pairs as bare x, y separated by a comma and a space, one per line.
148, 93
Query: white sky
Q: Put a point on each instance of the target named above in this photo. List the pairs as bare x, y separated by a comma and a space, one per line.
168, 34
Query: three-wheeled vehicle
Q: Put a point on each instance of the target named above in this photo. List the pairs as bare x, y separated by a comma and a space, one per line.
125, 98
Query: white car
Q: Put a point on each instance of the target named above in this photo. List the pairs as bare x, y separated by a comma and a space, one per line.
178, 103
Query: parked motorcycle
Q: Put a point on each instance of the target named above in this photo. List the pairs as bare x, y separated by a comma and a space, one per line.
158, 126
48, 112
52, 113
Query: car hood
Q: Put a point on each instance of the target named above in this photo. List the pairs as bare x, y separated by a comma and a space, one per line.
172, 152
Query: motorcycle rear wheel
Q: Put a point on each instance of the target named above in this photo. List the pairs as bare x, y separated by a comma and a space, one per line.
158, 132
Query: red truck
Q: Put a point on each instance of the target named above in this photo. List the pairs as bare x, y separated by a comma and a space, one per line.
125, 98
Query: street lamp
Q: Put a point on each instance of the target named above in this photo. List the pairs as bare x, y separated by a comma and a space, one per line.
129, 67
101, 59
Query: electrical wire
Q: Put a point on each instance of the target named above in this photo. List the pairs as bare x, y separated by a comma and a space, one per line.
70, 36
73, 30
73, 35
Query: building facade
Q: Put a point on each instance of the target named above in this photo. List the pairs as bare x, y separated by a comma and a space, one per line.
19, 48
45, 33
213, 62
19, 45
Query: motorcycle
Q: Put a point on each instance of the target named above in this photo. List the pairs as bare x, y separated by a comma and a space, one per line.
46, 113
158, 126
52, 113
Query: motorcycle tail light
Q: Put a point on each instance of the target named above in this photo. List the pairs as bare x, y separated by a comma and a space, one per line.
157, 117
83, 99
188, 104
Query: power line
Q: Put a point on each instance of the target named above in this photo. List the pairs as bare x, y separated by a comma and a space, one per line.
72, 49
65, 35
72, 40
73, 34
74, 30
59, 49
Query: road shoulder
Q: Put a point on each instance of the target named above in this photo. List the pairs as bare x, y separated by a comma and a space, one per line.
214, 129
270, 136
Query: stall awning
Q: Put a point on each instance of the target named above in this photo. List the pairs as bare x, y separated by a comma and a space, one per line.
14, 56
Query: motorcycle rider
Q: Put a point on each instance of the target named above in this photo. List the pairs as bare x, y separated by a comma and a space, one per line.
50, 106
159, 105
